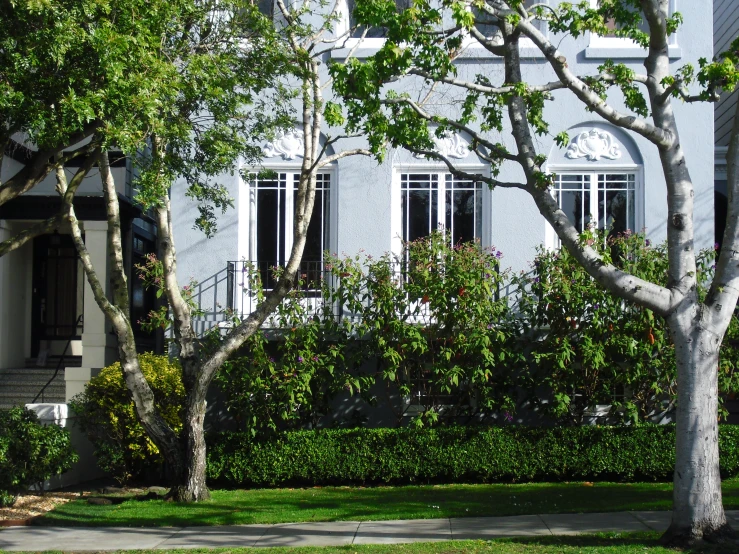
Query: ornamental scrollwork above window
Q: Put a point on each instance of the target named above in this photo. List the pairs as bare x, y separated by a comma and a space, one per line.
594, 145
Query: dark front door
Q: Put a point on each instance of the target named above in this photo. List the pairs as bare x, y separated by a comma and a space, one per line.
57, 291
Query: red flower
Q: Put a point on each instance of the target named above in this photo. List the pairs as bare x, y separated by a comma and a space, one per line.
425, 299
462, 291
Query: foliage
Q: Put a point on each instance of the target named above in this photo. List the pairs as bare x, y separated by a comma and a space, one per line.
292, 380
452, 454
433, 319
430, 317
431, 326
106, 413
30, 452
586, 347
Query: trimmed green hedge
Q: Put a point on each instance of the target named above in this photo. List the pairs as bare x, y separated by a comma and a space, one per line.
453, 454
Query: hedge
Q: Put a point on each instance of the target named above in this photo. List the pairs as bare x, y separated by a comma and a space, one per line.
453, 454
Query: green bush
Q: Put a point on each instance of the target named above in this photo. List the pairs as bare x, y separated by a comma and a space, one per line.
30, 452
107, 415
452, 454
586, 347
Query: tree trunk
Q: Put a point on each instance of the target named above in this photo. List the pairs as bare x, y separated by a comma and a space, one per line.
190, 483
698, 511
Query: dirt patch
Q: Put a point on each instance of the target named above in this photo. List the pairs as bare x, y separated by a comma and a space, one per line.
32, 505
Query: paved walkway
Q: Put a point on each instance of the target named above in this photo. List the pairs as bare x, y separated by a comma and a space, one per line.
330, 533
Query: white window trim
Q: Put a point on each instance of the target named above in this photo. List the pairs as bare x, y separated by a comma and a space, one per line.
600, 47
365, 47
396, 215
246, 248
551, 240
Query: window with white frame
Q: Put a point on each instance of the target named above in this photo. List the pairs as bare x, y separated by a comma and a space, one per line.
371, 32
604, 199
271, 213
439, 200
612, 41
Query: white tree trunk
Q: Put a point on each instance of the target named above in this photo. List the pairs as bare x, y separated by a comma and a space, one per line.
697, 501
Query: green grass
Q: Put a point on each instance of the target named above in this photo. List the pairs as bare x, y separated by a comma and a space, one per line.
229, 507
638, 543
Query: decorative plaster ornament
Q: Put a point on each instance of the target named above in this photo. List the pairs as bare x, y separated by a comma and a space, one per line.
451, 146
594, 145
288, 145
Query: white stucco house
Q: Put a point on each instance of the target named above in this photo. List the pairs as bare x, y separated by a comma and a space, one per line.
604, 175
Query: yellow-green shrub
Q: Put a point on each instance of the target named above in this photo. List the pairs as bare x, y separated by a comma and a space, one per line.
106, 413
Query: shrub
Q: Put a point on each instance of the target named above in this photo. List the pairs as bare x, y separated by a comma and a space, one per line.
429, 317
30, 452
453, 454
587, 347
107, 415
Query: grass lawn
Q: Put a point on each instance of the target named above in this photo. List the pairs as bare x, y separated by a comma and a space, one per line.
641, 543
229, 507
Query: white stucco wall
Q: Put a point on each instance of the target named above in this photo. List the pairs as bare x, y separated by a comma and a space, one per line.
363, 196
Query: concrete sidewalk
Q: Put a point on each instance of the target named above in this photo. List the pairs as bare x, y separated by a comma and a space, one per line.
330, 533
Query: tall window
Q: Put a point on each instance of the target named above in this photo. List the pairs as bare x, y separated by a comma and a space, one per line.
437, 200
607, 200
272, 210
372, 32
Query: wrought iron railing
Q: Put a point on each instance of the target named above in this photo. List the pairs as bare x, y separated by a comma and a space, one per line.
246, 282
59, 363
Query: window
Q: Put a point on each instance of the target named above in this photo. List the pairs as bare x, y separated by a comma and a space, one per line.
602, 46
606, 200
484, 24
436, 200
271, 219
372, 32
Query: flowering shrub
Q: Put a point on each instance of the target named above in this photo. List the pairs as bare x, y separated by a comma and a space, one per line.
108, 416
430, 318
586, 347
430, 327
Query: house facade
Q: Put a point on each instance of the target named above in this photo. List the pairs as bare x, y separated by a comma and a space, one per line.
53, 336
604, 176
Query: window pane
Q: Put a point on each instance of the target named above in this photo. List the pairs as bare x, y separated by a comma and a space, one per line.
270, 224
616, 196
573, 196
318, 229
463, 201
419, 192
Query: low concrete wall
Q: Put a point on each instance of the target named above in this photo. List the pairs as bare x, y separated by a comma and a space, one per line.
86, 469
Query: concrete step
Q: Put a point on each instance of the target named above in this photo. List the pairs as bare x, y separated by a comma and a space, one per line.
28, 375
20, 386
53, 361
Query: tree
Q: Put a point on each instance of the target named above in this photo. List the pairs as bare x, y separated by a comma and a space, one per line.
421, 48
54, 99
182, 87
219, 78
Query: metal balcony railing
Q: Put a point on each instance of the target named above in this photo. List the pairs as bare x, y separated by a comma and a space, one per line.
247, 282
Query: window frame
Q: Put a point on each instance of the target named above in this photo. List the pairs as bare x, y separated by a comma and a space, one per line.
551, 240
247, 217
441, 170
620, 47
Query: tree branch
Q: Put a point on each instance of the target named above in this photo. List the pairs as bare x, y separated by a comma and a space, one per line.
559, 63
115, 244
41, 165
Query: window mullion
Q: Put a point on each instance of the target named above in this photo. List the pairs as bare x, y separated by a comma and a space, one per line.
594, 212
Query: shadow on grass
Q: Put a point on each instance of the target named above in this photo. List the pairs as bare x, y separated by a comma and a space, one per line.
265, 506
